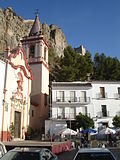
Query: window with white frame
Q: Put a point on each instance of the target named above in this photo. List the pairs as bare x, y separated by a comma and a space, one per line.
72, 96
84, 110
104, 110
83, 96
102, 92
60, 97
72, 113
61, 113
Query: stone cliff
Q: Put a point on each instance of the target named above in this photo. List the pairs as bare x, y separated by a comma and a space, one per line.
13, 28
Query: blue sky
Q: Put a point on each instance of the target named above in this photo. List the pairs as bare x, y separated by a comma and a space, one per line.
93, 23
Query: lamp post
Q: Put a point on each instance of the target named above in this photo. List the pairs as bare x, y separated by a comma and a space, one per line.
80, 137
70, 119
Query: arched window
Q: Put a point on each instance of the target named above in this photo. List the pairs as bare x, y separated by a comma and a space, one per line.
32, 52
45, 53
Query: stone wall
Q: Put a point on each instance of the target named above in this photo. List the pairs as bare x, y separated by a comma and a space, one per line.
13, 28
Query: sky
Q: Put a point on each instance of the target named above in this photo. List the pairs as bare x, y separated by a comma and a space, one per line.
95, 24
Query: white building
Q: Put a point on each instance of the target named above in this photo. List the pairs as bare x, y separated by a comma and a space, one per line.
99, 100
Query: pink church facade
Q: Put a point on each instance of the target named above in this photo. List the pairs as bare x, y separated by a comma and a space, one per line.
24, 87
15, 94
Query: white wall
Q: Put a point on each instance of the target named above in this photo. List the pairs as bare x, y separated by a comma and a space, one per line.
94, 107
2, 79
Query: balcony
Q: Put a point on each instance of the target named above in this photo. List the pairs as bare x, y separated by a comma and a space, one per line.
101, 96
81, 100
84, 99
65, 116
103, 114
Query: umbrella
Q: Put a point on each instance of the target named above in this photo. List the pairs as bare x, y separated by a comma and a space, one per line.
89, 130
110, 131
107, 131
69, 131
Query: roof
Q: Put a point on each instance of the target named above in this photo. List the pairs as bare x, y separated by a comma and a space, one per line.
87, 84
26, 149
84, 150
36, 26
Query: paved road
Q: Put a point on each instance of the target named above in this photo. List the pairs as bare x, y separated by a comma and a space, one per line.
67, 155
70, 155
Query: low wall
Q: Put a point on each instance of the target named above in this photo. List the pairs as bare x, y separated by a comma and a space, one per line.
62, 147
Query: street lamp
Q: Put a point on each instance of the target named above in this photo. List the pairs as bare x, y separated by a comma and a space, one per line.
70, 119
80, 137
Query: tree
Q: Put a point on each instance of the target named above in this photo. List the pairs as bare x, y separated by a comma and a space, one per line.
73, 66
53, 61
83, 121
84, 66
116, 121
106, 68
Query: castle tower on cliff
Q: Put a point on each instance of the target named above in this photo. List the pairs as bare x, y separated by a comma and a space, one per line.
36, 49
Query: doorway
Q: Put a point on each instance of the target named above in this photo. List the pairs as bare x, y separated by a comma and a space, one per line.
17, 123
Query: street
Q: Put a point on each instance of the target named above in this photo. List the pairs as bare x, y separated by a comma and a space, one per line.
70, 155
67, 155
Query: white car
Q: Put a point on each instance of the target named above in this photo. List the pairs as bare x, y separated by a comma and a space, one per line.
29, 154
94, 154
2, 149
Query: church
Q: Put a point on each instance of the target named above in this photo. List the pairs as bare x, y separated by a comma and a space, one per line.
24, 86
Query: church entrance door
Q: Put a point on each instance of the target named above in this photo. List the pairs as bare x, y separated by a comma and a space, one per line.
17, 123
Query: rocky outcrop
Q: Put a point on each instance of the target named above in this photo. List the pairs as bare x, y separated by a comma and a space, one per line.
13, 28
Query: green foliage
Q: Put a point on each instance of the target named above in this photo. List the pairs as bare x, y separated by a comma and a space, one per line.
53, 61
116, 121
106, 68
73, 66
83, 121
29, 131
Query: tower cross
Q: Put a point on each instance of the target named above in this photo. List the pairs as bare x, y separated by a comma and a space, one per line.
36, 12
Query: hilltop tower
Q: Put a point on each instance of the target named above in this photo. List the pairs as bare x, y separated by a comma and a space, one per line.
36, 49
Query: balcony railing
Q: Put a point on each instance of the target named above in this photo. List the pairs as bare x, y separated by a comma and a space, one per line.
103, 114
73, 99
101, 96
65, 117
84, 99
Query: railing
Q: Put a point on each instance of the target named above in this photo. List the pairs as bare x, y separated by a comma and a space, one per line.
73, 99
101, 96
84, 99
65, 116
103, 114
35, 59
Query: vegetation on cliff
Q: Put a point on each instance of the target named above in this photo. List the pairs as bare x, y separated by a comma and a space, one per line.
75, 67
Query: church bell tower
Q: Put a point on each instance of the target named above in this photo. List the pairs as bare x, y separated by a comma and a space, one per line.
36, 49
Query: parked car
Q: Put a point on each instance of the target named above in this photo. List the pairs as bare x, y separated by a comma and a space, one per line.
94, 154
29, 154
2, 149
